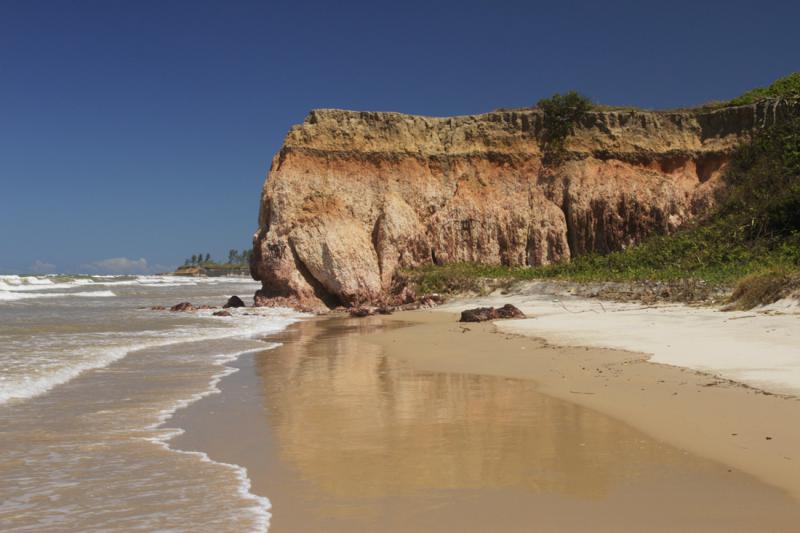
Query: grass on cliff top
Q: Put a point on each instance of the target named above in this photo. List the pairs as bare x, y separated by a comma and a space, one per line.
752, 239
786, 87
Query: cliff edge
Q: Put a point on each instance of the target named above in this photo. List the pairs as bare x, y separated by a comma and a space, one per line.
352, 197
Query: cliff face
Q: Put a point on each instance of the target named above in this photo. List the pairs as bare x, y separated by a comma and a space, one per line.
352, 197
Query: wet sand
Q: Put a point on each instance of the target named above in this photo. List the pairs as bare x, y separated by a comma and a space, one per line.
739, 426
411, 423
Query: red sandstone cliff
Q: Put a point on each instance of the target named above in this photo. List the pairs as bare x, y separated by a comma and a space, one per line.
352, 197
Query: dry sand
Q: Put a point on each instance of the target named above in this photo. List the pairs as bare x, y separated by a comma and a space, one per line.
416, 423
760, 348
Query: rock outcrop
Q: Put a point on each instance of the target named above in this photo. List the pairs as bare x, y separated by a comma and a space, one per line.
484, 314
354, 196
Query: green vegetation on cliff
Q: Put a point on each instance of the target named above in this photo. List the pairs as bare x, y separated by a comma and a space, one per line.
786, 87
755, 229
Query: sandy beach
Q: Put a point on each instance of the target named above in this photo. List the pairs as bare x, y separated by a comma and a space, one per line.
417, 422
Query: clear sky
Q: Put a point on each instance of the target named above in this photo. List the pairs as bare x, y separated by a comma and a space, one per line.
136, 133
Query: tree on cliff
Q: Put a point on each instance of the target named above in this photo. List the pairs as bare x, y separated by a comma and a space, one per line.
561, 113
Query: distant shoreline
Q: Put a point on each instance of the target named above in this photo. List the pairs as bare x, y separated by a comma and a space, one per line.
210, 271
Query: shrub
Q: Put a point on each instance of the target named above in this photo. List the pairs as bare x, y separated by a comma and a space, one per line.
457, 278
560, 114
786, 87
765, 182
764, 288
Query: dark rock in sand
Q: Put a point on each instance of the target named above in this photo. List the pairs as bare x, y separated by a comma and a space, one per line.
221, 313
479, 314
233, 301
509, 311
183, 306
482, 314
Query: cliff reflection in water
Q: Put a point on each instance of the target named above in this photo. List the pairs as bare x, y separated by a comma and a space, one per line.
358, 424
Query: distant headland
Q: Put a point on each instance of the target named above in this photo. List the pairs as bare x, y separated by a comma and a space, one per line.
204, 265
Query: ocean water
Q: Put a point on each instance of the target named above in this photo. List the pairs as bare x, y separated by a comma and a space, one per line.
89, 377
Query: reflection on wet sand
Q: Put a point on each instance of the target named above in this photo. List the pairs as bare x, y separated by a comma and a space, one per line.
338, 406
341, 437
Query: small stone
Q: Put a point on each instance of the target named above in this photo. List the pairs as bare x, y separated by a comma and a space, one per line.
233, 301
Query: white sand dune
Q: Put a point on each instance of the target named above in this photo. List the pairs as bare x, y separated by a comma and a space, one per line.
754, 347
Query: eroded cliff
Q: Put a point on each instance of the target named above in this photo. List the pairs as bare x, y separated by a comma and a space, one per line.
352, 197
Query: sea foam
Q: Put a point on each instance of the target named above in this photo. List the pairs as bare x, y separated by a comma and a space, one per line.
259, 323
262, 505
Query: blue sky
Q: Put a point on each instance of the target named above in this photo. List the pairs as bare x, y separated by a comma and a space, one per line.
134, 134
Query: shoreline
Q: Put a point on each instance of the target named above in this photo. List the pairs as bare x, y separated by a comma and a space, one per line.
109, 373
431, 344
165, 435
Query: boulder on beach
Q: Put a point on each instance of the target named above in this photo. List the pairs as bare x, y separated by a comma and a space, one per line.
221, 313
509, 311
233, 301
482, 314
